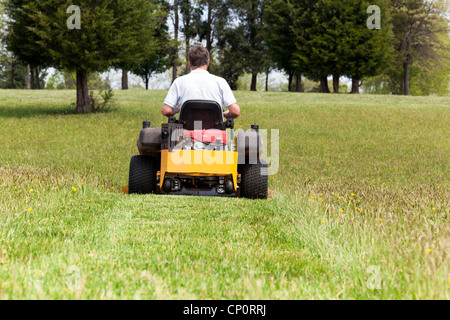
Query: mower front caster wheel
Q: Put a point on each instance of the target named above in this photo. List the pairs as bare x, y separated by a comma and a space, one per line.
142, 179
254, 180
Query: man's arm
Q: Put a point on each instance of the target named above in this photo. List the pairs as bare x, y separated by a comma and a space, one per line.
168, 111
233, 111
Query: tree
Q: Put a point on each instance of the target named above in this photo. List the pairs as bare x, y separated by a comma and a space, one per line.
111, 32
12, 72
244, 33
278, 35
22, 41
157, 58
216, 14
311, 52
192, 24
2, 18
332, 38
230, 47
176, 27
420, 28
367, 51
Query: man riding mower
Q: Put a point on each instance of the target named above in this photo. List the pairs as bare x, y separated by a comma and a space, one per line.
196, 155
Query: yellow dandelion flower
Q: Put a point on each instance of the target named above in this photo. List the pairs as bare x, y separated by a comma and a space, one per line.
381, 220
339, 197
31, 190
112, 188
351, 198
434, 208
30, 209
353, 194
342, 210
15, 187
429, 250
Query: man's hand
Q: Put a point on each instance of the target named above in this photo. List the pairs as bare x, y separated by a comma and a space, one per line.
233, 111
168, 111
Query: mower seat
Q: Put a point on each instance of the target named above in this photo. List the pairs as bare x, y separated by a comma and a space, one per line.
208, 112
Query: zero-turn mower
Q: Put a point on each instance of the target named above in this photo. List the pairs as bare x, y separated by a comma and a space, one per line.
197, 155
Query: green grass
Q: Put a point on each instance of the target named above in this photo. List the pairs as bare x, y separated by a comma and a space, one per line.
311, 239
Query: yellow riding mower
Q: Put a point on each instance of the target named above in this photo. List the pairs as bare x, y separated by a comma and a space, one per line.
197, 155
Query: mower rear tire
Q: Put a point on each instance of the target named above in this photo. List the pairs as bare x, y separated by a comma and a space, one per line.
254, 180
142, 179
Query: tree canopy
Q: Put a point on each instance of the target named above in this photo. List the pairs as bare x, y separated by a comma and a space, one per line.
112, 32
406, 52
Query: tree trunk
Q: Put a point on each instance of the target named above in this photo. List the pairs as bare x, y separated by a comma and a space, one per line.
28, 77
209, 28
291, 76
324, 85
175, 49
406, 78
83, 105
37, 81
124, 79
33, 85
13, 67
355, 85
147, 80
267, 79
254, 81
335, 83
298, 82
188, 69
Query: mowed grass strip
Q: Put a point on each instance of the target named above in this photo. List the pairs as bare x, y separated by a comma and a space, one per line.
361, 199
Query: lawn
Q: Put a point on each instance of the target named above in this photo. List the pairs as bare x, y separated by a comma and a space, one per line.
358, 210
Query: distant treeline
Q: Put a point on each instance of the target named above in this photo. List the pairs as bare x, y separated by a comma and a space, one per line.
388, 46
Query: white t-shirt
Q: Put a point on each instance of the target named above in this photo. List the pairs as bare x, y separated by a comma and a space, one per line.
200, 85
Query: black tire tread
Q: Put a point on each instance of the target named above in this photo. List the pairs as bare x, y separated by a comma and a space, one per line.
142, 178
254, 180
